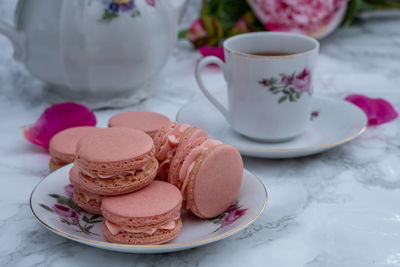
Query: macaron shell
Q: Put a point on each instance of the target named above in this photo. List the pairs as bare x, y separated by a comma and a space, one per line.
159, 237
190, 136
114, 150
91, 205
149, 122
55, 166
63, 144
154, 204
180, 156
215, 181
118, 186
114, 145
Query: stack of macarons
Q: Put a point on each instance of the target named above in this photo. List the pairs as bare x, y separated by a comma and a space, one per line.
112, 161
142, 170
113, 175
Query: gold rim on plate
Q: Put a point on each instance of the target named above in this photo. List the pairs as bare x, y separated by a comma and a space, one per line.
205, 241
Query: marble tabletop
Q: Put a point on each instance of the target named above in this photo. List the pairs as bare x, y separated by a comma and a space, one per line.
339, 208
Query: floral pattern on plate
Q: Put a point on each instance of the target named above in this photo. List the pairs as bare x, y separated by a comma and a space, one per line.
231, 215
290, 87
70, 214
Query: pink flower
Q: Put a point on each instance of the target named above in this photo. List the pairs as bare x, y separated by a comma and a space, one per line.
287, 80
69, 190
315, 18
212, 51
205, 31
241, 25
378, 110
65, 212
302, 81
57, 118
151, 2
233, 216
232, 208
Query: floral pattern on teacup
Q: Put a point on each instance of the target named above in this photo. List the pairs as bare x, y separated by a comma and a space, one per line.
314, 114
113, 8
69, 213
290, 87
231, 215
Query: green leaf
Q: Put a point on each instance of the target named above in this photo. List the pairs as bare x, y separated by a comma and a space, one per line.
182, 34
292, 99
298, 95
108, 15
286, 92
46, 207
65, 221
95, 217
282, 99
136, 14
351, 12
86, 219
67, 201
292, 90
56, 196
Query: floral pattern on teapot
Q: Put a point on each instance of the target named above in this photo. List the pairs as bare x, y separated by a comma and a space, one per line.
113, 8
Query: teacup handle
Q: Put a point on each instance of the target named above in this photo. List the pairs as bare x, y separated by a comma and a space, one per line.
204, 62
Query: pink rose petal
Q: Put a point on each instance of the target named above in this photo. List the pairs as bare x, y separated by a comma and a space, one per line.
212, 51
57, 118
378, 110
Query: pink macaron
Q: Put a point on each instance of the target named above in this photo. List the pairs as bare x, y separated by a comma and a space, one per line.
115, 161
209, 175
167, 140
150, 215
62, 145
87, 201
148, 122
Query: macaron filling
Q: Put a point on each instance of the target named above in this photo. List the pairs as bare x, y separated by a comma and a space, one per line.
168, 147
110, 176
116, 229
89, 196
190, 161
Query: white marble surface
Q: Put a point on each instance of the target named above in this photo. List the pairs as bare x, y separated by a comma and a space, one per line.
340, 208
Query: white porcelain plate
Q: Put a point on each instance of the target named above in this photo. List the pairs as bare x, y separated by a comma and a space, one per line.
53, 207
333, 122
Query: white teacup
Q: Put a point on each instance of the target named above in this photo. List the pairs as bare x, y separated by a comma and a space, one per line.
269, 96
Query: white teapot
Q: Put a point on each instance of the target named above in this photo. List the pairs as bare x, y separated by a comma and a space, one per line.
94, 50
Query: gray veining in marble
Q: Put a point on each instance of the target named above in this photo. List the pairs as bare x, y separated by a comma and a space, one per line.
339, 208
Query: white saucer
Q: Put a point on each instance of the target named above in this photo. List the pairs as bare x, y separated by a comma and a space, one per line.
86, 228
337, 123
